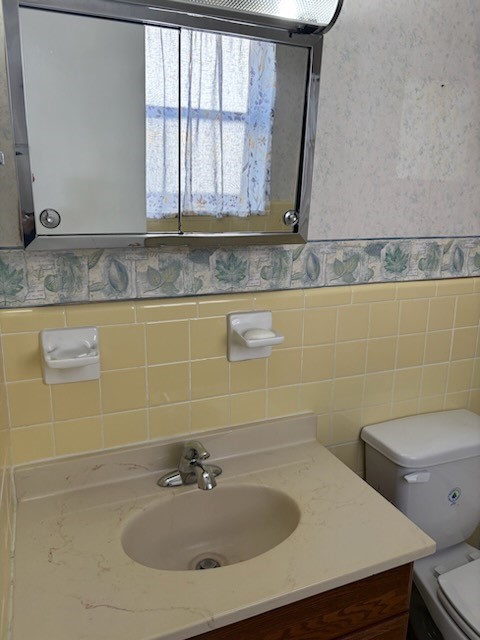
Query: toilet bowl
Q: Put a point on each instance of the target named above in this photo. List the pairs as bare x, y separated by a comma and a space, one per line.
428, 466
449, 584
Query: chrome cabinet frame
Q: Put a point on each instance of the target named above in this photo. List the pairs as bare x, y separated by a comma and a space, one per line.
169, 14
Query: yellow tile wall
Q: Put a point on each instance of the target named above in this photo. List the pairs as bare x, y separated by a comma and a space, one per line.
6, 510
352, 355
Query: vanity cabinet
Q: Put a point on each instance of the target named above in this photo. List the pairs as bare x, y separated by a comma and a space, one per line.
375, 608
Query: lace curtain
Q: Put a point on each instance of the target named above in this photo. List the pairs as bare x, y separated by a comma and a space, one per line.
224, 116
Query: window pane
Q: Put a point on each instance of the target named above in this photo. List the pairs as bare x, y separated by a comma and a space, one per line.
162, 167
161, 66
162, 122
227, 122
236, 54
217, 160
215, 72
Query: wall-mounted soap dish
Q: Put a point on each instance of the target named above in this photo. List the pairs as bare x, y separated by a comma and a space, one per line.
69, 355
250, 335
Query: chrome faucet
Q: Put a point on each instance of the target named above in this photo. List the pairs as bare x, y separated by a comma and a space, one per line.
191, 469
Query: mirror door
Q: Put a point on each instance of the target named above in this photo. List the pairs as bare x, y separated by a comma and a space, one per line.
138, 133
99, 98
242, 113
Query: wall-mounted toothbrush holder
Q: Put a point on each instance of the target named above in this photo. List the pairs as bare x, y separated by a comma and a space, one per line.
250, 335
69, 355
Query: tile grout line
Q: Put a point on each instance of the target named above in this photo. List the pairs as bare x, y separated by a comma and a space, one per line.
364, 374
396, 336
475, 361
421, 396
452, 340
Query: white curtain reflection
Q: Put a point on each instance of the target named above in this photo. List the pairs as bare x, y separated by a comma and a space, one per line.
225, 111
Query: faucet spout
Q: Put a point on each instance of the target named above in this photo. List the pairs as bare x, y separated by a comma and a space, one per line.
192, 469
205, 478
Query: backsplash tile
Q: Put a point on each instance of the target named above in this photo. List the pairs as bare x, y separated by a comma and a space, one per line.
7, 510
32, 443
352, 355
78, 436
352, 358
31, 279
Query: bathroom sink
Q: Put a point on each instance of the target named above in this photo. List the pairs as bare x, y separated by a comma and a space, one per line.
208, 529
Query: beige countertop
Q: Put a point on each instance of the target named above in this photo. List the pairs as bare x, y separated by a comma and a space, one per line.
73, 580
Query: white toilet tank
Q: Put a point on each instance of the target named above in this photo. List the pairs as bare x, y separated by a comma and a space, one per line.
428, 466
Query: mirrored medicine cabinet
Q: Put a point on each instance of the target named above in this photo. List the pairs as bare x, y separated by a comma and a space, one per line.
143, 125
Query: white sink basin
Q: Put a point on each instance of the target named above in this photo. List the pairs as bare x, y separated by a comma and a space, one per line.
206, 529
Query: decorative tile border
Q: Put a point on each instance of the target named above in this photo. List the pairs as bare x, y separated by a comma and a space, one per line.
42, 278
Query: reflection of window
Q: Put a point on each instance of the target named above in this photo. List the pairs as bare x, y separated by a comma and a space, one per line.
225, 110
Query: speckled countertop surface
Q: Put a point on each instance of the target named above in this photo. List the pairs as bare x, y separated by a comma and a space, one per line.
74, 581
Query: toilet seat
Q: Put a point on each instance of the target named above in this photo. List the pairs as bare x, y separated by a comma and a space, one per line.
459, 593
457, 618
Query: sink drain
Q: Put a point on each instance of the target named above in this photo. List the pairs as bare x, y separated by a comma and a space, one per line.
208, 560
207, 563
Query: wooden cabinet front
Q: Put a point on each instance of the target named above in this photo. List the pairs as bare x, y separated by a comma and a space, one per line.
375, 608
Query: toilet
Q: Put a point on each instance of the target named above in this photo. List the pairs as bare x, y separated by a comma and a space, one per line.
428, 466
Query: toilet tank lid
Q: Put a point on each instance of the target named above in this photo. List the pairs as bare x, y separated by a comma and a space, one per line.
427, 439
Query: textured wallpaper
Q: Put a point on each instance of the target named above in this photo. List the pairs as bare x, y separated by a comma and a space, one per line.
397, 156
398, 140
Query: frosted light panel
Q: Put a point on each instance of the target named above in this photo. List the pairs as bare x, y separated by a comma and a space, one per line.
318, 12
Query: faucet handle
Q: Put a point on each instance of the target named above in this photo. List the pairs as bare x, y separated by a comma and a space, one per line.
194, 451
